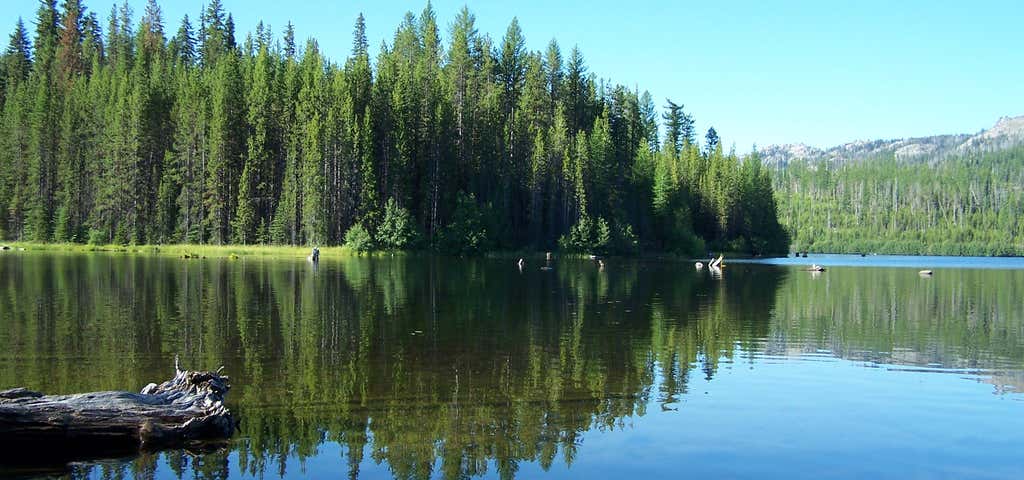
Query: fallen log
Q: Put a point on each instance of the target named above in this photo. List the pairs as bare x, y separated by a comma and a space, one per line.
186, 409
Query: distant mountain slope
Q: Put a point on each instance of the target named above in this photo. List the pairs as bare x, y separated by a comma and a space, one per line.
1006, 133
946, 194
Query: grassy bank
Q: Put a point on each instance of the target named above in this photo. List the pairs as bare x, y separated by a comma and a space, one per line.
201, 251
287, 251
228, 251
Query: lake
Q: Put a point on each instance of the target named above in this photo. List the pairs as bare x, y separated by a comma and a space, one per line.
430, 367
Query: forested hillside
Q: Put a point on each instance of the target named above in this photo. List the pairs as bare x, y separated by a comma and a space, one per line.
966, 204
445, 139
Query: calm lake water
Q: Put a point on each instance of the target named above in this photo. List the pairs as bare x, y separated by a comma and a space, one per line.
442, 368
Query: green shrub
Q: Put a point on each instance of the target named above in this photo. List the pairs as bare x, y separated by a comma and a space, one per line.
359, 239
467, 232
626, 241
98, 237
398, 230
589, 236
579, 237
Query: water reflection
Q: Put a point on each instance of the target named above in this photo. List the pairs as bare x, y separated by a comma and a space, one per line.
443, 368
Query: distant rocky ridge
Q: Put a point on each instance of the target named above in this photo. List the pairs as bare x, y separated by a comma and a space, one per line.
1006, 133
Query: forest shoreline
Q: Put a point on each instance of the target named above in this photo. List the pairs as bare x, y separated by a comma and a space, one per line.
229, 251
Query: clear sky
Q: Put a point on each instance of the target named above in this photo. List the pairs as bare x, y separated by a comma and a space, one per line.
764, 72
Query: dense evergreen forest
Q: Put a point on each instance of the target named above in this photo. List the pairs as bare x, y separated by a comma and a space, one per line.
970, 204
131, 134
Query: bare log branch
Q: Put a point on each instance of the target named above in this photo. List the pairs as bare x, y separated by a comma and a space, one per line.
187, 408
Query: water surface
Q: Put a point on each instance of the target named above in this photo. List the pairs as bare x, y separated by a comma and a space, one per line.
441, 368
908, 261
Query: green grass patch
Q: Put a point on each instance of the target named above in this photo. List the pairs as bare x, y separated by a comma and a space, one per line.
191, 251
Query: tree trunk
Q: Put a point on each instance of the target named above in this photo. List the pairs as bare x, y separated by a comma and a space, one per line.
186, 409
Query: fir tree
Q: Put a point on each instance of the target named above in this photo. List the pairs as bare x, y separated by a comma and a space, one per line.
225, 151
575, 100
258, 172
17, 62
360, 47
213, 38
45, 119
69, 49
183, 45
310, 118
710, 142
289, 41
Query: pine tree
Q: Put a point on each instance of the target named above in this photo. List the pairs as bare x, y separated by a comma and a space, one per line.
151, 105
45, 118
263, 38
537, 183
72, 171
69, 50
93, 53
225, 151
576, 92
649, 122
369, 204
186, 174
531, 126
461, 71
312, 174
113, 210
560, 179
287, 221
15, 137
289, 41
581, 175
602, 167
360, 47
254, 190
512, 74
16, 61
214, 38
359, 90
183, 46
229, 34
678, 127
710, 141
152, 27
556, 76
120, 35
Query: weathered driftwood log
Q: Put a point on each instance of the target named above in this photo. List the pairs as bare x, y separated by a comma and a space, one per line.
187, 408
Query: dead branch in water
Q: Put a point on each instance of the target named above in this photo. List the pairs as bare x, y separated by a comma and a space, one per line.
187, 408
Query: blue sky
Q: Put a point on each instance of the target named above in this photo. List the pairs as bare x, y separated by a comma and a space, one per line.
762, 72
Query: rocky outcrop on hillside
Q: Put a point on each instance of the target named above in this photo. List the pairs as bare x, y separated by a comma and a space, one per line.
1007, 132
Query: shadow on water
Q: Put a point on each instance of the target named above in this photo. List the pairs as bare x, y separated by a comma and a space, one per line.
454, 368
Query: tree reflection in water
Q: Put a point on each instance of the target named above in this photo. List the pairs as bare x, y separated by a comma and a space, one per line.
448, 368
